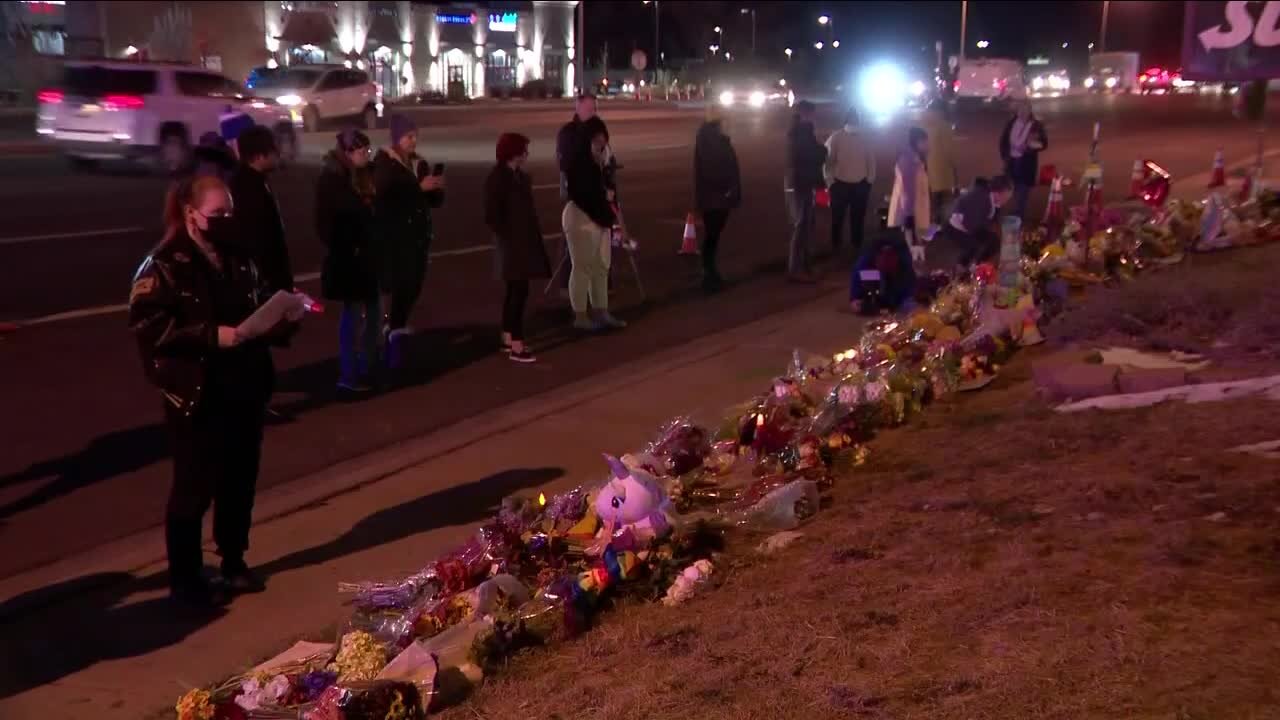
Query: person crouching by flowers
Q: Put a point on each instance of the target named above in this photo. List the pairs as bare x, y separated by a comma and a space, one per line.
510, 213
344, 223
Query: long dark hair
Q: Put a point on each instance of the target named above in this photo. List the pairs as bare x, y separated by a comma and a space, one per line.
914, 136
350, 140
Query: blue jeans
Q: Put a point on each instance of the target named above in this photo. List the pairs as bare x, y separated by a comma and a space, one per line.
1020, 193
360, 322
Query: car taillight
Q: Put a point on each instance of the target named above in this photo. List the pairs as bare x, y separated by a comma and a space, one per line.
50, 97
955, 86
122, 102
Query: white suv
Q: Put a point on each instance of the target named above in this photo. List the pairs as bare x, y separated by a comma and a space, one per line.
104, 109
316, 93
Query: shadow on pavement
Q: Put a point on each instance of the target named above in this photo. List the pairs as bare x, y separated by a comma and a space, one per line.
105, 457
60, 629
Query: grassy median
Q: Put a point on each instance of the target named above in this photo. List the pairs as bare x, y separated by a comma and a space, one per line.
994, 559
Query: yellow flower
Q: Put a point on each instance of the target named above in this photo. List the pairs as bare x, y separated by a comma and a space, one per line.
195, 705
360, 657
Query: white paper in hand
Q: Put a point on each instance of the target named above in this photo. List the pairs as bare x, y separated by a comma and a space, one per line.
282, 306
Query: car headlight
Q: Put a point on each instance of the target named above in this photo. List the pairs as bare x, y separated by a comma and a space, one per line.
917, 88
289, 100
726, 98
1037, 82
1088, 82
882, 88
756, 99
1112, 82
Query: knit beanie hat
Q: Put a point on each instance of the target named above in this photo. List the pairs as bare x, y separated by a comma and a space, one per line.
400, 126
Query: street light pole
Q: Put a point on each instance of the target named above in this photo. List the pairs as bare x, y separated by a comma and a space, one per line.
581, 43
753, 28
964, 22
1102, 40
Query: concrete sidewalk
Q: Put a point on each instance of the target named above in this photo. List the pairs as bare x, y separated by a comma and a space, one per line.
115, 648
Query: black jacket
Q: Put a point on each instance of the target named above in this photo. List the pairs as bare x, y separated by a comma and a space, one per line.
344, 224
510, 213
173, 313
261, 228
403, 218
805, 158
1024, 170
588, 190
717, 184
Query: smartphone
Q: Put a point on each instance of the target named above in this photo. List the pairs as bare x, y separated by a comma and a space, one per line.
437, 169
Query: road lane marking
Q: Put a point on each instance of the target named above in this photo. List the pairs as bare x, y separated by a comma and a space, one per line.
547, 186
69, 235
676, 146
301, 278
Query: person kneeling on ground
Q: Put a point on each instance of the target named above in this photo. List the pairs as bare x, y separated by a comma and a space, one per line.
971, 225
883, 278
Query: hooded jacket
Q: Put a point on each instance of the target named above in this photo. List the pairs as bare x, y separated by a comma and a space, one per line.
344, 224
717, 182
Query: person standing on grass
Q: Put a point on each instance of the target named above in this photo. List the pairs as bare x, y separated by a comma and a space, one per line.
850, 171
344, 224
406, 189
188, 297
511, 215
717, 186
256, 210
589, 220
944, 179
803, 176
909, 201
1020, 145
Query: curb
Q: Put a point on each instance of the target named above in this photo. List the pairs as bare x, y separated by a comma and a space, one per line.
142, 553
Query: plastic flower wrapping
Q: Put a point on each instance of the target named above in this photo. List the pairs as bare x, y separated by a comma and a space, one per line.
652, 524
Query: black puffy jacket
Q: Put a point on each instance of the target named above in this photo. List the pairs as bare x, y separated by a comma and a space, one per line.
344, 224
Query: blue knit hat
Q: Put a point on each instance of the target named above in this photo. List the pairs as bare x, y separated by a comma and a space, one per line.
400, 126
232, 124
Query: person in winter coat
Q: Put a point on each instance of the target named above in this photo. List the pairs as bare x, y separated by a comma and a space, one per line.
850, 170
805, 159
944, 179
717, 189
909, 200
256, 210
344, 224
405, 190
188, 298
511, 215
588, 220
212, 156
883, 278
1020, 145
971, 226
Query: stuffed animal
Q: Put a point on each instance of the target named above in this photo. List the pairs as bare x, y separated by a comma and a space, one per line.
631, 502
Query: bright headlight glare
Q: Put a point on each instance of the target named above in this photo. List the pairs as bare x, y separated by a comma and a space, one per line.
1112, 82
917, 88
289, 100
726, 98
757, 99
1037, 82
882, 88
1088, 82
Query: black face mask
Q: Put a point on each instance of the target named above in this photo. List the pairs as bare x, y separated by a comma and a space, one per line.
220, 231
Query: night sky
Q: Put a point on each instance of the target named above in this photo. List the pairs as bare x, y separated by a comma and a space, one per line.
877, 29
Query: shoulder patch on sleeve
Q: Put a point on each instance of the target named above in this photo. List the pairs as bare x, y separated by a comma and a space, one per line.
142, 286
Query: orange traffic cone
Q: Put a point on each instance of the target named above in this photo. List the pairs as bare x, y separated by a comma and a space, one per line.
689, 243
1135, 180
1053, 218
1219, 176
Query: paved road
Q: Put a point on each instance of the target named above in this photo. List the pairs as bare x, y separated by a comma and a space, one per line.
84, 458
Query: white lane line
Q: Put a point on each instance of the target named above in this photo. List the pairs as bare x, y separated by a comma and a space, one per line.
676, 146
547, 186
69, 235
301, 278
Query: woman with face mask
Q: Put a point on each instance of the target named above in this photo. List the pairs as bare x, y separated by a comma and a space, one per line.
344, 223
188, 297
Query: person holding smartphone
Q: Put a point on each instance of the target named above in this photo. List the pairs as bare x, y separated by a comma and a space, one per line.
406, 189
188, 298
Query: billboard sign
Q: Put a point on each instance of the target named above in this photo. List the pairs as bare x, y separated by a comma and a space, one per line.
1231, 41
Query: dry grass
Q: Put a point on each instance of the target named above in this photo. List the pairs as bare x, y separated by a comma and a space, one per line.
994, 560
1223, 305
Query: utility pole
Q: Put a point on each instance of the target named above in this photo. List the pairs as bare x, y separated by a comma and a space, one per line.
964, 21
581, 51
1102, 40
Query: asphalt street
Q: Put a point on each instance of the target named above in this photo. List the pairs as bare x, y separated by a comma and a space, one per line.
83, 456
